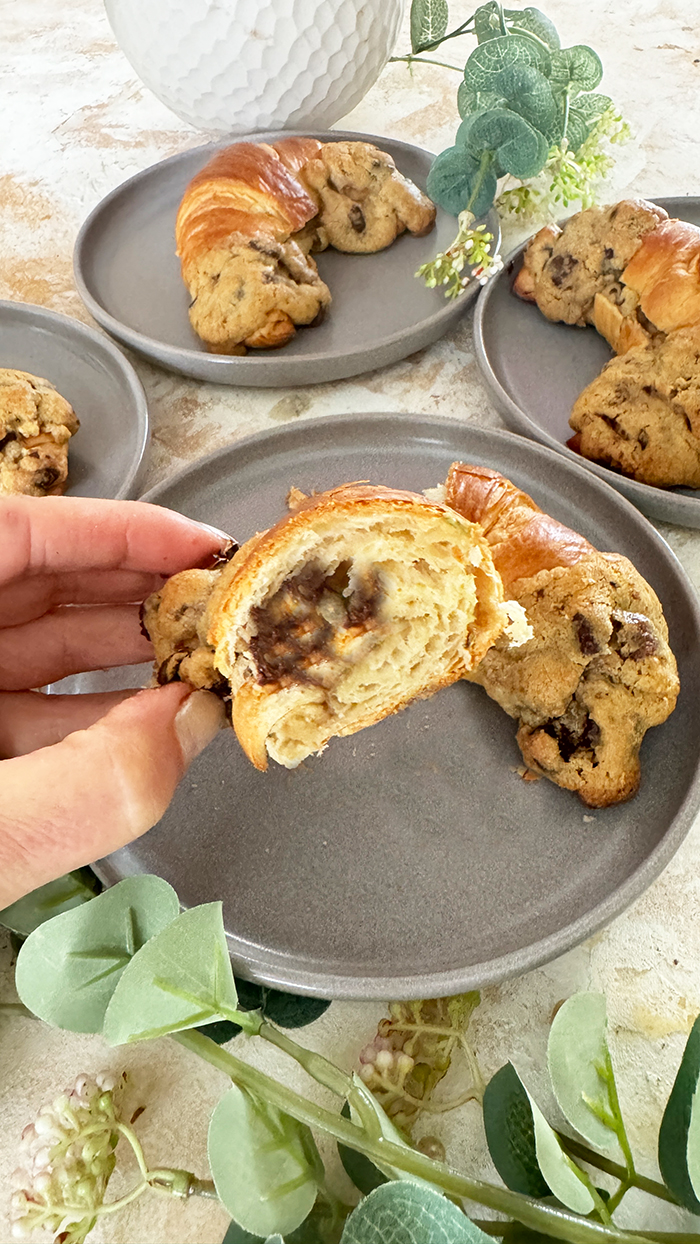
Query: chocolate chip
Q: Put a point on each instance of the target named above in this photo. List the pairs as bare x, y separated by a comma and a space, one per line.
585, 634
643, 438
633, 635
46, 478
168, 670
560, 267
356, 217
608, 252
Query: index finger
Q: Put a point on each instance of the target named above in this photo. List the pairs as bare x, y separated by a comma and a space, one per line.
75, 534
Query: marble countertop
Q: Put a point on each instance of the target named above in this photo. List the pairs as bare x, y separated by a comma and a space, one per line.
76, 123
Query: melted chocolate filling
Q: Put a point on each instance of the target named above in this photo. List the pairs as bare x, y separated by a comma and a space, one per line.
292, 633
575, 732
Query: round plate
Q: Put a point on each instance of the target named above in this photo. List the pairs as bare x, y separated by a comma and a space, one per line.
129, 278
535, 370
106, 454
411, 859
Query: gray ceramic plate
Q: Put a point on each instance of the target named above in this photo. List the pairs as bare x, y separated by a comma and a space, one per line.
410, 859
106, 454
535, 370
129, 278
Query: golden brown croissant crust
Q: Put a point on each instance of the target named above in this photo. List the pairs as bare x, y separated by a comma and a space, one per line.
598, 671
250, 218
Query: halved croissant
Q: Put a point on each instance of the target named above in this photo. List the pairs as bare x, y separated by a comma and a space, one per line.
250, 217
345, 611
598, 671
626, 269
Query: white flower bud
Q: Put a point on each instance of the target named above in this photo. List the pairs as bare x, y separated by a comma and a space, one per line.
106, 1081
384, 1060
42, 1160
366, 1072
404, 1064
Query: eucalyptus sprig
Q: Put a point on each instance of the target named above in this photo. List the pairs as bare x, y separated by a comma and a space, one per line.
534, 134
130, 965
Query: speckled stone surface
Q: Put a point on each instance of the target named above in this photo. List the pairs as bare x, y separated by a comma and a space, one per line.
76, 122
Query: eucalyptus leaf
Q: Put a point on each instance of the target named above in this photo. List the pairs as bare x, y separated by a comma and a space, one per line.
487, 24
428, 22
533, 22
236, 1235
592, 106
527, 92
409, 1213
291, 1010
181, 978
579, 1066
69, 967
675, 1127
264, 1164
360, 1169
457, 180
577, 129
566, 1180
489, 59
519, 149
470, 102
49, 900
576, 69
510, 1133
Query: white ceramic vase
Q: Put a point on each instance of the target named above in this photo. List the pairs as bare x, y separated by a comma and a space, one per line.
235, 66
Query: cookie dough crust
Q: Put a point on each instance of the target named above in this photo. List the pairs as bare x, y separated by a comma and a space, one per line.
36, 424
596, 675
641, 415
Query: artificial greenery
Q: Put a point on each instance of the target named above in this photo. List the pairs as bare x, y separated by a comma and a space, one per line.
130, 965
534, 135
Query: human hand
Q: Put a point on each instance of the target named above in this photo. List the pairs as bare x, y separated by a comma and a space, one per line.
81, 775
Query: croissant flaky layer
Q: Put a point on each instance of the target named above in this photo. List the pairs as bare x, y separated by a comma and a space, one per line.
598, 670
358, 602
250, 218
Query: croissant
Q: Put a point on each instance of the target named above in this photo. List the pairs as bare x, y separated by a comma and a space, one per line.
626, 269
36, 424
250, 218
598, 671
359, 601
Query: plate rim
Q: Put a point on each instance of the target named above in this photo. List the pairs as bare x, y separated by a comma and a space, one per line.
57, 322
272, 967
646, 497
142, 343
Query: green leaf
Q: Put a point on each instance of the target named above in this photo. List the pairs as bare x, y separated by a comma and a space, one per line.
49, 900
360, 1169
675, 1129
285, 1009
566, 1180
519, 149
489, 59
470, 102
264, 1164
179, 979
510, 1133
527, 92
408, 1213
428, 22
457, 180
580, 1068
69, 967
591, 107
290, 1010
236, 1235
577, 129
534, 22
576, 69
487, 24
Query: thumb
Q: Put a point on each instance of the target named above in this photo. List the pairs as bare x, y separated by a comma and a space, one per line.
64, 806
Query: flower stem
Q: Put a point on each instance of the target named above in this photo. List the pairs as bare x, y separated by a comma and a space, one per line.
576, 1150
548, 1220
424, 60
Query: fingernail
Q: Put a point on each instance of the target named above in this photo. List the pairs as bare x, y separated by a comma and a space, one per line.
198, 722
215, 531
